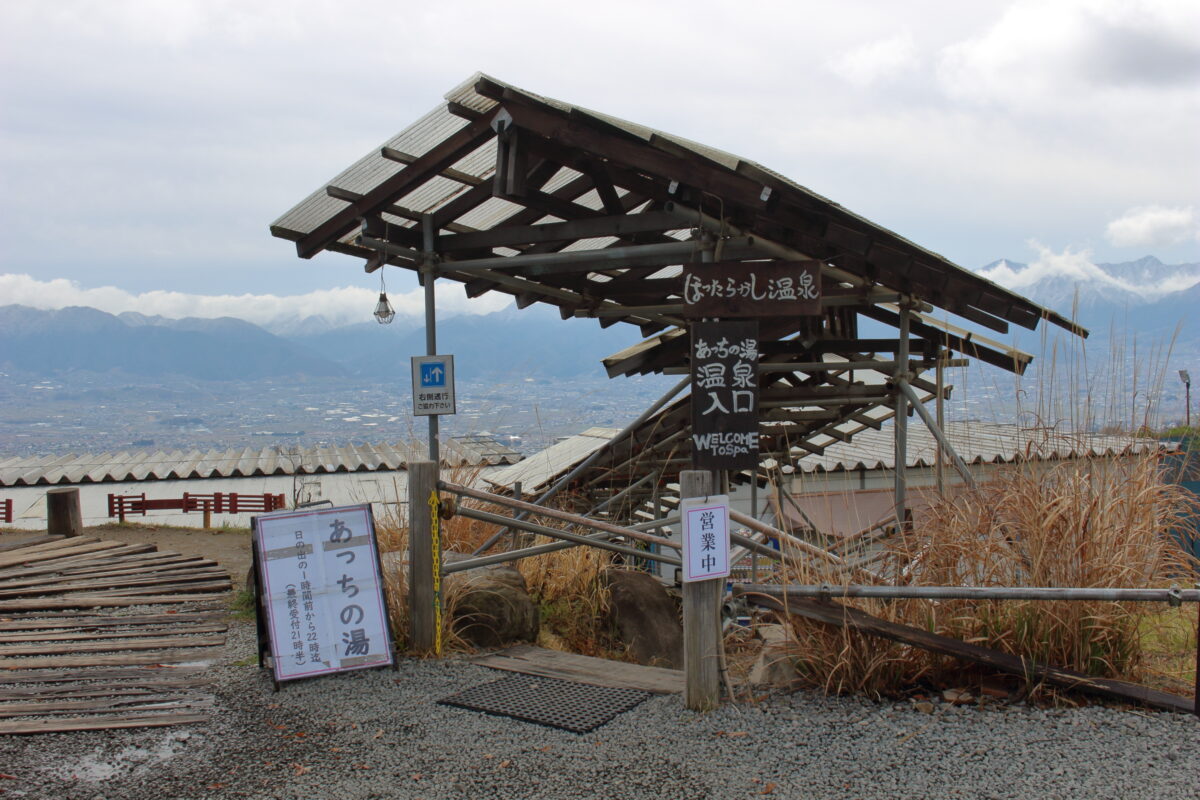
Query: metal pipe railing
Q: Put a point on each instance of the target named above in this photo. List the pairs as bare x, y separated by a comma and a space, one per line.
1174, 595
595, 456
571, 538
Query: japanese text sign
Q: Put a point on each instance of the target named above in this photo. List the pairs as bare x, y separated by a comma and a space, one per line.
705, 537
319, 577
433, 385
724, 361
752, 289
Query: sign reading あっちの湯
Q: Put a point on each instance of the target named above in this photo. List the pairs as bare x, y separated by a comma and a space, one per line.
320, 584
752, 289
724, 364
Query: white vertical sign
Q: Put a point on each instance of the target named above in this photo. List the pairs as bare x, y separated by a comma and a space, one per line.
319, 574
433, 385
705, 537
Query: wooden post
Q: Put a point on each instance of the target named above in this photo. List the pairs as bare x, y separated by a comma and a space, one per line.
901, 422
207, 514
64, 515
941, 421
422, 597
701, 618
517, 495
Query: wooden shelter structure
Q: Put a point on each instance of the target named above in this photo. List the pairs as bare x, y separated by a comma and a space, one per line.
505, 191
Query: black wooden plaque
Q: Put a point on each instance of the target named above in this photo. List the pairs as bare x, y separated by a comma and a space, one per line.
724, 360
752, 289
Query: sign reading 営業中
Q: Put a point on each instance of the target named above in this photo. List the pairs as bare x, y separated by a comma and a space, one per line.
705, 537
433, 385
319, 577
752, 289
724, 363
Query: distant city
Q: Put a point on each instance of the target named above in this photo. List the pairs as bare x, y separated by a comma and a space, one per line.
94, 413
78, 379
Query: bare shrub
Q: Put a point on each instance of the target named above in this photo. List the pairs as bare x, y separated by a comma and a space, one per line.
1083, 523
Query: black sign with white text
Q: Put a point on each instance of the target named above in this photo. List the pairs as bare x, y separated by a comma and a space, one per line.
752, 289
724, 360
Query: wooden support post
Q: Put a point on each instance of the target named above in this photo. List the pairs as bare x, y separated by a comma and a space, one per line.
517, 495
901, 419
701, 619
64, 515
941, 421
207, 514
422, 597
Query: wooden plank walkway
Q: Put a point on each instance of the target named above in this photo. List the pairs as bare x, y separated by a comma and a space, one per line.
532, 660
63, 669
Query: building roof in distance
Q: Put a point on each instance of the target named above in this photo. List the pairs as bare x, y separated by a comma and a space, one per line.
151, 465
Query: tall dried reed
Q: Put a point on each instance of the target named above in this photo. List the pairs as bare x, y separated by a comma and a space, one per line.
1083, 523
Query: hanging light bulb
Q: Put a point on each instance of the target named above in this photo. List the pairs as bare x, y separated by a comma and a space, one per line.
383, 309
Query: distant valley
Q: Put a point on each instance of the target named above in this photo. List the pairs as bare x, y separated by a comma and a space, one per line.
82, 378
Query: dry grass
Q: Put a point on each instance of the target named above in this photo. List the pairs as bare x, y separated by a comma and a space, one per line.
566, 585
1087, 523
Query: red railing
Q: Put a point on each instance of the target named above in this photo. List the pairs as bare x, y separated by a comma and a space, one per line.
6, 510
123, 505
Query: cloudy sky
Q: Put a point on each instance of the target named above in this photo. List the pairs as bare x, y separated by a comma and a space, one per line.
146, 145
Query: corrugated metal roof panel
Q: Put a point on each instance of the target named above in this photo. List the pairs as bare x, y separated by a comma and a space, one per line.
975, 443
537, 471
148, 465
371, 170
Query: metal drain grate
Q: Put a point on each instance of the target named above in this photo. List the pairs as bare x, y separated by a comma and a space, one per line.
575, 707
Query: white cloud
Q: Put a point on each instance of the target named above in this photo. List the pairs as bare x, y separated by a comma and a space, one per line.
1046, 55
341, 306
875, 62
1153, 225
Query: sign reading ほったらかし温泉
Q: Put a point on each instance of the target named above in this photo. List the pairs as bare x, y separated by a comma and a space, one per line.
755, 289
319, 578
705, 537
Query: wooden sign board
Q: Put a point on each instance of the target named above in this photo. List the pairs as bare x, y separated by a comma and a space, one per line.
705, 537
321, 591
752, 289
724, 362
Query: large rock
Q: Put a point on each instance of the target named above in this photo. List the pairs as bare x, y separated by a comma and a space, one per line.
490, 606
645, 618
776, 663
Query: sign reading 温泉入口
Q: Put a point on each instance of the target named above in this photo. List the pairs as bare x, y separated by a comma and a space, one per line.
724, 366
752, 289
705, 537
321, 591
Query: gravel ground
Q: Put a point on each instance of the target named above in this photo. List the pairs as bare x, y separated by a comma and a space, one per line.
380, 734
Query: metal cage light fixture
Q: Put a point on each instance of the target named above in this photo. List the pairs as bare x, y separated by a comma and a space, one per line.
384, 312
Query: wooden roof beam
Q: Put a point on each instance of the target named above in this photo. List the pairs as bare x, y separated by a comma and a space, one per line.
392, 154
445, 154
584, 227
581, 134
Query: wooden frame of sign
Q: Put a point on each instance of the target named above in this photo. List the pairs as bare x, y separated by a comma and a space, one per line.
320, 595
751, 289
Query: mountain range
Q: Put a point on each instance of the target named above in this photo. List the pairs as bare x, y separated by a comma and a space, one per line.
532, 342
1145, 297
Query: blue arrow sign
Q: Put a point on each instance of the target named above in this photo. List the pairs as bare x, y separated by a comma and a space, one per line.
433, 374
